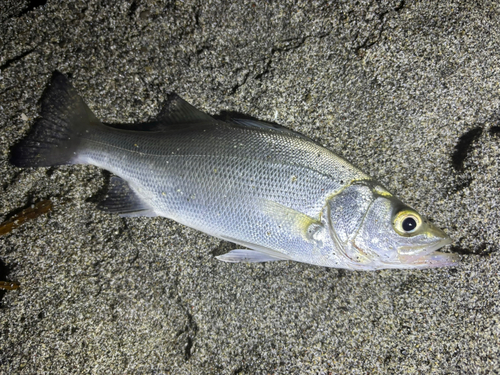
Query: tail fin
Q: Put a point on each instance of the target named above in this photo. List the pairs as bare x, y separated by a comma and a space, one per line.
55, 137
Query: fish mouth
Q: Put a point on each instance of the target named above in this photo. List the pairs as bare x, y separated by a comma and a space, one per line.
428, 257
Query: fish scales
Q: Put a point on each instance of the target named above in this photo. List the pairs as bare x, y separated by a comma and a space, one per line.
215, 172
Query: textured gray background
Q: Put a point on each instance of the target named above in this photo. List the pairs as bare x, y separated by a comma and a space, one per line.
408, 91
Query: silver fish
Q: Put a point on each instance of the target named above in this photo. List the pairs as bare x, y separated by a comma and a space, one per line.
273, 191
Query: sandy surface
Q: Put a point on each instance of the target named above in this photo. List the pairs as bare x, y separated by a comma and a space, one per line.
409, 92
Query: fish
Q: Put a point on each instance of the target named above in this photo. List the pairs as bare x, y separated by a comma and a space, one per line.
273, 191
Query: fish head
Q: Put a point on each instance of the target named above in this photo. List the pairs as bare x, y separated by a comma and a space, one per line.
385, 233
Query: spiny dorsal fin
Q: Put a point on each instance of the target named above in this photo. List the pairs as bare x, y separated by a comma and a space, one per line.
121, 199
177, 111
256, 124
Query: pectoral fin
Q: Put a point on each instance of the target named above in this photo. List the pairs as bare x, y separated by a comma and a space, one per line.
298, 223
288, 220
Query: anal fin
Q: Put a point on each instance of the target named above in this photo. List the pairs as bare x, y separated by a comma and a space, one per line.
122, 200
245, 255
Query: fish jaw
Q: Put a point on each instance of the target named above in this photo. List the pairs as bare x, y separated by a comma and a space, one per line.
405, 257
430, 257
435, 260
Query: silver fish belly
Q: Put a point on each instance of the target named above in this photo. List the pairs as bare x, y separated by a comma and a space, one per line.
267, 188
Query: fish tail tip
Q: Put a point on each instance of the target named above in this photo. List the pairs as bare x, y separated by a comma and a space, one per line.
53, 139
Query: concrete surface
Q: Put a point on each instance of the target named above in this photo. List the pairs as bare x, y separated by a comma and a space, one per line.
408, 91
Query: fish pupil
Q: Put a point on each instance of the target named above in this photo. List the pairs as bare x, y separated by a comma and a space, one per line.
409, 224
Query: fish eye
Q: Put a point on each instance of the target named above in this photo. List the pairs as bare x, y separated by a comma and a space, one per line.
407, 222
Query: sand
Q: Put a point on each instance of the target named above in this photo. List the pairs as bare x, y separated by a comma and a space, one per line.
407, 91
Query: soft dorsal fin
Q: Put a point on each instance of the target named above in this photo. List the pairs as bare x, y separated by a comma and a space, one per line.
122, 200
177, 111
176, 114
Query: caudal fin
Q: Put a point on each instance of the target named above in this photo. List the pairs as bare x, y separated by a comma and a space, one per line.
56, 136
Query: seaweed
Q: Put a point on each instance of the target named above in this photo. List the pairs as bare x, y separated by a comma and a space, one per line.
25, 215
9, 285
